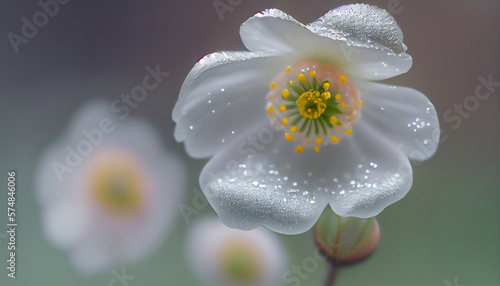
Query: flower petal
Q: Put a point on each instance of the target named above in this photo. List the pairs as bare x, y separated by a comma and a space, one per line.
375, 48
269, 184
249, 192
371, 173
274, 31
403, 115
361, 25
66, 224
221, 86
360, 48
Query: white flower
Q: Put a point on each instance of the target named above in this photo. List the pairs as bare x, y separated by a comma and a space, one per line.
222, 256
108, 189
298, 123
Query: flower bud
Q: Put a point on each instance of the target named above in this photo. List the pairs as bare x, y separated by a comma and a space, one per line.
346, 240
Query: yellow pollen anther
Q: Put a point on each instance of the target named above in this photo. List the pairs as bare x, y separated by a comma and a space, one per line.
293, 129
272, 86
289, 137
290, 83
312, 74
349, 132
282, 108
319, 140
285, 121
327, 95
343, 79
342, 105
307, 141
333, 119
361, 103
326, 86
316, 148
299, 149
288, 69
335, 140
270, 110
337, 97
285, 93
302, 79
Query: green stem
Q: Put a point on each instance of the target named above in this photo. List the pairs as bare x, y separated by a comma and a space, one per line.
332, 275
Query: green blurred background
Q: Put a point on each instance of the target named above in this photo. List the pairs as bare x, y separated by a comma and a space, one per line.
446, 230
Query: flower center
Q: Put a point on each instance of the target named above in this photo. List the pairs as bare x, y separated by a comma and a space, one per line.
116, 184
313, 110
312, 104
240, 262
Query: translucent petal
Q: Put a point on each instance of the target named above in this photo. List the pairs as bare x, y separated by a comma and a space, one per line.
361, 25
221, 86
249, 192
376, 174
274, 31
274, 186
363, 55
403, 115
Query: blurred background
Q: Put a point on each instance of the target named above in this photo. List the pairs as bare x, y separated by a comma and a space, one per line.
446, 231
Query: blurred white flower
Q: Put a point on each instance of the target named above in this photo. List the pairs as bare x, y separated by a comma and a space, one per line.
230, 257
108, 189
298, 123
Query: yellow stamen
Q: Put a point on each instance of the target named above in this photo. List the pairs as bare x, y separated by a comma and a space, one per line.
335, 140
288, 70
302, 79
290, 83
299, 149
282, 108
272, 86
293, 129
361, 103
342, 104
312, 74
289, 137
319, 140
337, 97
285, 93
270, 110
349, 132
326, 86
307, 141
316, 148
343, 79
285, 121
327, 95
333, 120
